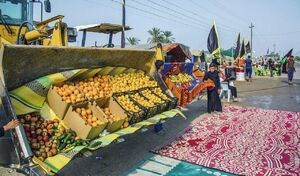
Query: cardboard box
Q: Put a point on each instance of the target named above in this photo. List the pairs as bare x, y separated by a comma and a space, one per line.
56, 103
74, 121
117, 111
100, 101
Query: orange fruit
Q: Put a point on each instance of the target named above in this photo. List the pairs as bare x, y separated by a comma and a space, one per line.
78, 110
89, 121
94, 124
89, 111
94, 119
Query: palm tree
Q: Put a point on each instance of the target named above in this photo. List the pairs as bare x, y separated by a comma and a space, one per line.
168, 37
156, 36
133, 40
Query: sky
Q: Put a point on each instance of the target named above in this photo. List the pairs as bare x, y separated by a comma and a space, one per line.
277, 24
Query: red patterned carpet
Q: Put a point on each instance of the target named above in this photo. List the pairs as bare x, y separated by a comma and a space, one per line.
242, 140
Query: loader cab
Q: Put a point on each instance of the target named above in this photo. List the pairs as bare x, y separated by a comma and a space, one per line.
14, 12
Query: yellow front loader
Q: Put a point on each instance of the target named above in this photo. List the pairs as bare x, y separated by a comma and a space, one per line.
18, 27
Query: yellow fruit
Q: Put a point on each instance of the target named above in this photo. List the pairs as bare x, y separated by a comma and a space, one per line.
89, 111
94, 124
78, 110
94, 119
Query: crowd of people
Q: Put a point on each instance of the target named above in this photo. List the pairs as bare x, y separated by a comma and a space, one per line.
275, 67
269, 66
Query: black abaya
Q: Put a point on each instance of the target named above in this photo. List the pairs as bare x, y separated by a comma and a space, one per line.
1, 131
213, 99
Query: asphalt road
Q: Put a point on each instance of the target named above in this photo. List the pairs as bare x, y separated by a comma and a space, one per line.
263, 92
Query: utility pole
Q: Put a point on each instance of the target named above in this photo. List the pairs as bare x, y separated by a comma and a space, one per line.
123, 25
251, 27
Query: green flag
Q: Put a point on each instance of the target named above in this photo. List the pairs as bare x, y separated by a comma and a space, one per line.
283, 60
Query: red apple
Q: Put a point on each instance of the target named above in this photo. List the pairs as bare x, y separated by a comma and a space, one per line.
40, 138
46, 138
44, 154
27, 129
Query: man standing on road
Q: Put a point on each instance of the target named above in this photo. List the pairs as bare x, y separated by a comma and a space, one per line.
248, 64
290, 67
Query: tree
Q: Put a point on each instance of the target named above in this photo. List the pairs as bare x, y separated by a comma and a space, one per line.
159, 36
133, 40
156, 36
168, 37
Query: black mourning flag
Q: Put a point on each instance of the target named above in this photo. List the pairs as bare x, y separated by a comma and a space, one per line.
238, 47
248, 47
213, 41
243, 49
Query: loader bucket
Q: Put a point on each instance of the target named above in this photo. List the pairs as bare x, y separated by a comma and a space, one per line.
22, 64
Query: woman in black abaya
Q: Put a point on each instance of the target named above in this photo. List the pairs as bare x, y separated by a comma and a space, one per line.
213, 99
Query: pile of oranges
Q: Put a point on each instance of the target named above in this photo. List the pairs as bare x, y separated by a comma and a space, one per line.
69, 93
87, 115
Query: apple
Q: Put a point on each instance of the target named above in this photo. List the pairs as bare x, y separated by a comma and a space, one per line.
47, 149
40, 138
34, 119
34, 135
51, 131
48, 144
44, 154
42, 143
32, 127
44, 133
49, 154
27, 129
35, 145
46, 138
39, 131
37, 153
53, 151
34, 140
50, 126
27, 117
